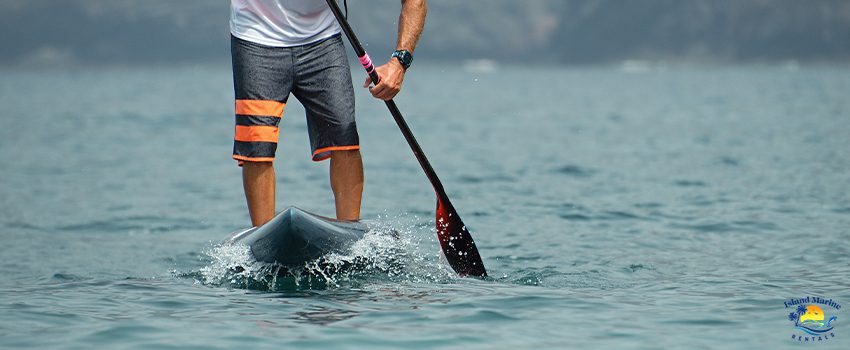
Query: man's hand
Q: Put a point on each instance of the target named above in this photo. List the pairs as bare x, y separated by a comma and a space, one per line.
392, 75
410, 23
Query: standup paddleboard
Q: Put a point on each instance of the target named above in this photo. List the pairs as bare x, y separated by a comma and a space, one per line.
294, 237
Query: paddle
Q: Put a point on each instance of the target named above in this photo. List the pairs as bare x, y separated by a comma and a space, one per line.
455, 240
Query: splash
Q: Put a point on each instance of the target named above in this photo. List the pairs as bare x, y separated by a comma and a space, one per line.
395, 249
233, 266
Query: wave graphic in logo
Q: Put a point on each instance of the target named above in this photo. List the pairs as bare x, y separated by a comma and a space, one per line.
810, 319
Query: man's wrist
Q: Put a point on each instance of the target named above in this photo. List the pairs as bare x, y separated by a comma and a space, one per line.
397, 64
404, 57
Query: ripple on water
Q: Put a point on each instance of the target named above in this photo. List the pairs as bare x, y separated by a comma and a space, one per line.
841, 210
690, 183
484, 316
730, 161
632, 268
575, 171
136, 224
749, 226
470, 179
65, 281
582, 214
551, 277
125, 331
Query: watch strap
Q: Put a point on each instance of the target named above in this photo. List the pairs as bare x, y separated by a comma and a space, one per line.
404, 57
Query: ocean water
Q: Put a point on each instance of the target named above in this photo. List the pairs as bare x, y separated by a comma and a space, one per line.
675, 208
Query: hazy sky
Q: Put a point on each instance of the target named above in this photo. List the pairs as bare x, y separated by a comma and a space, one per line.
65, 32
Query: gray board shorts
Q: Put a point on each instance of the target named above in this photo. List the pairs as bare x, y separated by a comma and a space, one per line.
317, 74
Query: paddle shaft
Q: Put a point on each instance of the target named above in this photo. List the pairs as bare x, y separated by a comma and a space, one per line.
366, 61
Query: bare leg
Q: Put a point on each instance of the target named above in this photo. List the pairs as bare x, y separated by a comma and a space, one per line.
347, 183
258, 181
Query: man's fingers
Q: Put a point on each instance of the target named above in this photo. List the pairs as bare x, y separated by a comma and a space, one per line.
367, 82
384, 92
378, 90
389, 95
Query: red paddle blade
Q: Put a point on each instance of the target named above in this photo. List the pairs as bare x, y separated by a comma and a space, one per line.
457, 244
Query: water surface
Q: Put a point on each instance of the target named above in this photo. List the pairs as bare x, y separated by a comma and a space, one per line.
660, 209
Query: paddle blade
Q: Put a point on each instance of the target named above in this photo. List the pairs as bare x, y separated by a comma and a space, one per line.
456, 242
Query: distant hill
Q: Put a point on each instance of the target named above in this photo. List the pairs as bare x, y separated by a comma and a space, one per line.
60, 32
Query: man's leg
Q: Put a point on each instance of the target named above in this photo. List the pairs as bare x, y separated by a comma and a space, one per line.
258, 181
347, 183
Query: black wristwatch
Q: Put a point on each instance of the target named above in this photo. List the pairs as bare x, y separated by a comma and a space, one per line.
405, 57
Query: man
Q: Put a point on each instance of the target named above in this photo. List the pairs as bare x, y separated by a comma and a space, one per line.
280, 47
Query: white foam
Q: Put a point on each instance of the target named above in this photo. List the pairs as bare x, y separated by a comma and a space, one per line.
397, 248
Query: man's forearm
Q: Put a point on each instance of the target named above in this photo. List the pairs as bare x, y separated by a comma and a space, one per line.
410, 23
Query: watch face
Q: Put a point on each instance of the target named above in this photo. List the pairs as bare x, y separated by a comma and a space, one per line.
404, 57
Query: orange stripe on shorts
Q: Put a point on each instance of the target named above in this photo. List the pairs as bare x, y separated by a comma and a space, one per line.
257, 133
260, 107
